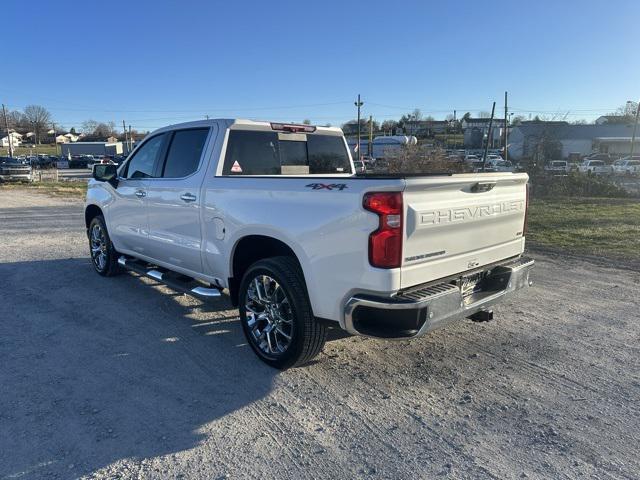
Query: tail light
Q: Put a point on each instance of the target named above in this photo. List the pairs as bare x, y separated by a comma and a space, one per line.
526, 210
385, 244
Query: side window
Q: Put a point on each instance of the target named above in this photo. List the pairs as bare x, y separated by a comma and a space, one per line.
143, 163
184, 152
252, 153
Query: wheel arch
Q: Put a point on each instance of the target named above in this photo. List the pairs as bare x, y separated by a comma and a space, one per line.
248, 250
91, 212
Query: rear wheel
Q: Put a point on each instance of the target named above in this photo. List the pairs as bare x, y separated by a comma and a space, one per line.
276, 314
103, 256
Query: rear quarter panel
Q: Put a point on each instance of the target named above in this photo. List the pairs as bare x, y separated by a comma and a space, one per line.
327, 228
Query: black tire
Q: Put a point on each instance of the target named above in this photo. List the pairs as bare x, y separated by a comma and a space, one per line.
307, 335
108, 265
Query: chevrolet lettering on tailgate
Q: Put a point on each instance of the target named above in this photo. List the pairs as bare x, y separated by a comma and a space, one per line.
450, 215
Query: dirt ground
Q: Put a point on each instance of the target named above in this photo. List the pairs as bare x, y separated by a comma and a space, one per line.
121, 378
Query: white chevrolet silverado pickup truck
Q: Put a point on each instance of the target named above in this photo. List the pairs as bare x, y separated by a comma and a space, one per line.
275, 215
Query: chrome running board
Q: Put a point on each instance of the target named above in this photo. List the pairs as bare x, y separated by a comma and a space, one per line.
175, 281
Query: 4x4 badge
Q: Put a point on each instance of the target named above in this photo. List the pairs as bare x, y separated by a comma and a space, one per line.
330, 186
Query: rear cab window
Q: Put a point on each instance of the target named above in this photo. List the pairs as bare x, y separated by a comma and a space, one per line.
264, 152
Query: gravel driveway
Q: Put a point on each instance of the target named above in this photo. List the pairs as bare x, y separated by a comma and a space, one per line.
122, 378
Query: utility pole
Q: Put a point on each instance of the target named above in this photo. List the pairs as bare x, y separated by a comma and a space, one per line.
486, 147
130, 140
358, 104
35, 136
506, 127
370, 147
635, 129
6, 124
126, 141
55, 143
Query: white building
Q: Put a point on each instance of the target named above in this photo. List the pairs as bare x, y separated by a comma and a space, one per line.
91, 148
566, 139
16, 140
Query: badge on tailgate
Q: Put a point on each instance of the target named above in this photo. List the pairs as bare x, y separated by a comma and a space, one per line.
461, 214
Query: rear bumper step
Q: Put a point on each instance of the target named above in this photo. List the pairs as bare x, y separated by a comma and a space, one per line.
421, 309
180, 283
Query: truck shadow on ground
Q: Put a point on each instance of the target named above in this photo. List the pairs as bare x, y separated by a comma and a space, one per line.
95, 370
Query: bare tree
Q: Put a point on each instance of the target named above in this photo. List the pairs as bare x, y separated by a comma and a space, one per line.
306, 121
104, 130
39, 117
626, 113
484, 114
88, 127
389, 126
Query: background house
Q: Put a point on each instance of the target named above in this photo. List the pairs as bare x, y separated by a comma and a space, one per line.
559, 139
476, 131
425, 128
613, 119
16, 140
616, 146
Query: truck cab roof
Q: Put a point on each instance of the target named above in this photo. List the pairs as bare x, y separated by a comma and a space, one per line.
246, 124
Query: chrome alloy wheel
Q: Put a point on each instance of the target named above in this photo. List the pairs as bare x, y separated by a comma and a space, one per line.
268, 315
98, 243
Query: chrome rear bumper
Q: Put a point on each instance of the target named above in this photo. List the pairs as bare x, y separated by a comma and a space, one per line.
419, 310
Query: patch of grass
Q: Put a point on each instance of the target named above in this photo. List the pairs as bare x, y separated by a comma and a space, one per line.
608, 227
44, 149
60, 189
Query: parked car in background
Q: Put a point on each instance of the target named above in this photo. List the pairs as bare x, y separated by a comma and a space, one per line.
12, 170
81, 161
594, 167
100, 161
43, 161
557, 166
503, 166
627, 166
605, 157
62, 162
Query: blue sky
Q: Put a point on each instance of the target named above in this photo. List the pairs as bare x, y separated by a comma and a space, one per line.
155, 63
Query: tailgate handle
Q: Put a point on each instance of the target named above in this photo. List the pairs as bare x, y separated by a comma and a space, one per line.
483, 187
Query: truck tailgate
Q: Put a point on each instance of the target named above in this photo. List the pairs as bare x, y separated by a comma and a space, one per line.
461, 222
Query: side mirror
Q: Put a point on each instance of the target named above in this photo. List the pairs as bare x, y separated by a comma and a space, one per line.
106, 173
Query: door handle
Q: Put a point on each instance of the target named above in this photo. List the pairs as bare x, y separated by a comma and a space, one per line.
141, 193
188, 197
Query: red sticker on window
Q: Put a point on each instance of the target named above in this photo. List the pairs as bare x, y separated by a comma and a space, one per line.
236, 168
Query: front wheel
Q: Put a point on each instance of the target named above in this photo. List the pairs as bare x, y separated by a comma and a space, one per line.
276, 314
103, 256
